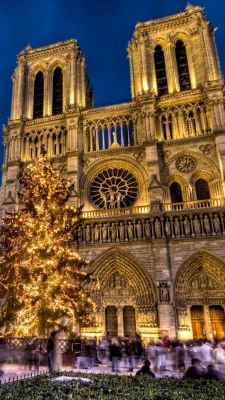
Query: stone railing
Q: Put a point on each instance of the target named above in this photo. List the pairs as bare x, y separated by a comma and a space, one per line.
148, 226
135, 210
194, 204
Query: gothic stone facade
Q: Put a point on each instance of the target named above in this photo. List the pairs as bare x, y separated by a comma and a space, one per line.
149, 174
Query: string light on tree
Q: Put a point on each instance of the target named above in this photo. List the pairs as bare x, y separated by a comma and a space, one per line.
41, 275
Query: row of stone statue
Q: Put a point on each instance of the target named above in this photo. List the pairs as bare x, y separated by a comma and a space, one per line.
154, 228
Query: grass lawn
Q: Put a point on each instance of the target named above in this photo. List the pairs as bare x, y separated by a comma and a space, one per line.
111, 387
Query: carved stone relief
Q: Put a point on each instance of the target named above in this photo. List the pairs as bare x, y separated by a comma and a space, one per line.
186, 164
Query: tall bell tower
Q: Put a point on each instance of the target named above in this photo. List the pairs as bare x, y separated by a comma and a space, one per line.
50, 88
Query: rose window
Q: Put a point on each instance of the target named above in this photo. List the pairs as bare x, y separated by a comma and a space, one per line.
114, 188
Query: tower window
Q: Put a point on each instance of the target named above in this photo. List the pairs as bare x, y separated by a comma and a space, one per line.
38, 95
176, 193
182, 66
57, 101
160, 70
202, 189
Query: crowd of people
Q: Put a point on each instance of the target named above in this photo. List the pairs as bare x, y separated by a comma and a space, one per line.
194, 359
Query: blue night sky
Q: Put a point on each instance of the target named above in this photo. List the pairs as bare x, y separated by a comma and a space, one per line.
103, 28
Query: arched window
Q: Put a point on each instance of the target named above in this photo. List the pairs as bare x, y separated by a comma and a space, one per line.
182, 66
202, 189
38, 95
57, 98
176, 193
160, 70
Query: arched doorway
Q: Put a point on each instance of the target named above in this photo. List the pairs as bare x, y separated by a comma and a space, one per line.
217, 318
199, 297
198, 322
125, 296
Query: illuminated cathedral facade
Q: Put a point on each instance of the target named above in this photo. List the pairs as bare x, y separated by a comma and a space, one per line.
148, 174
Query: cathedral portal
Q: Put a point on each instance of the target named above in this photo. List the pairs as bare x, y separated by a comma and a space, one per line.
125, 296
199, 297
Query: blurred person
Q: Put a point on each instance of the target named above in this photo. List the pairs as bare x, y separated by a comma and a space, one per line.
138, 348
115, 354
180, 351
151, 353
212, 373
145, 370
195, 371
160, 353
129, 351
207, 353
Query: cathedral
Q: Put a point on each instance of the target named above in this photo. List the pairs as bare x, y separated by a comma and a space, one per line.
148, 174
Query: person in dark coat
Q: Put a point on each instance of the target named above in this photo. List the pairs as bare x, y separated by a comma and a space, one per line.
145, 370
50, 347
115, 354
195, 371
212, 373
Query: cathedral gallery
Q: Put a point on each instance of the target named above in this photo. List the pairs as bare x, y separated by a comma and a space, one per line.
148, 174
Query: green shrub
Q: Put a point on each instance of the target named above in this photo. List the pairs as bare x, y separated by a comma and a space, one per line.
111, 387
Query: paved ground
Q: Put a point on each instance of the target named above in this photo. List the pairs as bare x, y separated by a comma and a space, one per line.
16, 371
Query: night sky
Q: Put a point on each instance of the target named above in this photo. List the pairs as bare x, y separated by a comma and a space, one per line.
103, 28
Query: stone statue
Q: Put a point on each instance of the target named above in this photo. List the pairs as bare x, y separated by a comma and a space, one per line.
187, 226
118, 199
96, 233
147, 229
130, 231
177, 227
121, 231
113, 232
216, 224
104, 198
139, 230
158, 232
164, 294
88, 233
104, 232
206, 224
196, 225
167, 228
111, 198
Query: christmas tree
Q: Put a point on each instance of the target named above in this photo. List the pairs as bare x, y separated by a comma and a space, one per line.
42, 281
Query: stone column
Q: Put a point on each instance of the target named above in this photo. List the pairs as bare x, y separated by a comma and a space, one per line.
167, 320
83, 83
169, 69
213, 67
208, 326
145, 78
120, 321
166, 312
72, 96
152, 78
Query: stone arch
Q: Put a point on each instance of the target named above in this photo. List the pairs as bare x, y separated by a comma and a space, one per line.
181, 36
119, 162
213, 181
40, 67
204, 174
116, 260
159, 41
175, 178
200, 264
199, 157
57, 64
181, 181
